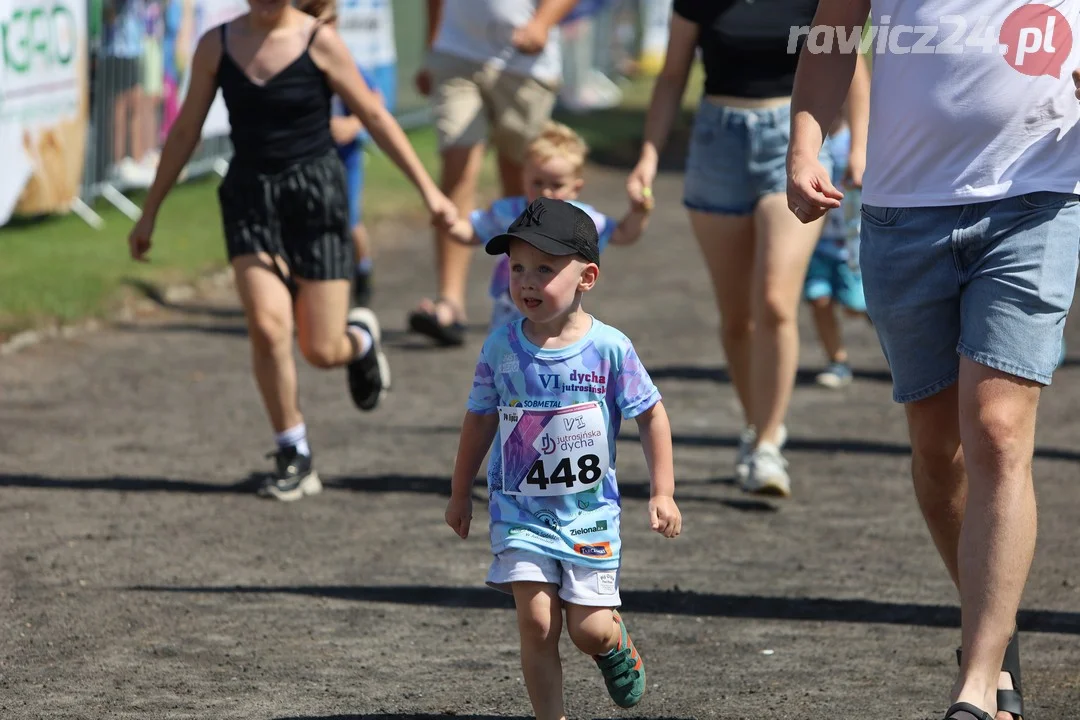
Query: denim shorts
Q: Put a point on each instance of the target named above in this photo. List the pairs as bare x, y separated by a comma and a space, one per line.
737, 156
992, 281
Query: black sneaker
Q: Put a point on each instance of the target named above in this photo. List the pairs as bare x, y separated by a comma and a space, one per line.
361, 289
369, 375
293, 478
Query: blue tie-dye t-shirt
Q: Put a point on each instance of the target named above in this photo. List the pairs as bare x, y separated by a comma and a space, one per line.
557, 409
495, 220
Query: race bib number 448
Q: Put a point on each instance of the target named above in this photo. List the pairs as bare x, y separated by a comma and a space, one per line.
553, 452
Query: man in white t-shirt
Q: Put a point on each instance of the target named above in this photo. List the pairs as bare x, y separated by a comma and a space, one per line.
493, 72
970, 236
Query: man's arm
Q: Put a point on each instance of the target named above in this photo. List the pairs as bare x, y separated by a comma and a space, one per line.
823, 80
532, 37
552, 12
434, 15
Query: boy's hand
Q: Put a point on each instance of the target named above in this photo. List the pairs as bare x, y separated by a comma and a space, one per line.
462, 232
444, 212
639, 183
459, 515
664, 516
645, 205
345, 130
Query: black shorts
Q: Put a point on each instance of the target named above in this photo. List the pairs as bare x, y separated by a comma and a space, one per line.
300, 214
120, 74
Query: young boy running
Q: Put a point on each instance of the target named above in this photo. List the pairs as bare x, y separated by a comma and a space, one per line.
554, 166
830, 279
554, 387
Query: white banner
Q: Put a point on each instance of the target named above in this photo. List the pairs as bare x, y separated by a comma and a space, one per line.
367, 27
656, 22
208, 15
44, 98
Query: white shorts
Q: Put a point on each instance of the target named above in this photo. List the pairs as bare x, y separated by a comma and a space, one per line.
578, 585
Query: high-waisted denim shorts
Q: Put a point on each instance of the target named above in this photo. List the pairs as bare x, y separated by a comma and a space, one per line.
737, 156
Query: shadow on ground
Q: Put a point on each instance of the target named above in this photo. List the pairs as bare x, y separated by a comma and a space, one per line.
156, 295
835, 445
436, 485
391, 483
804, 377
425, 716
666, 602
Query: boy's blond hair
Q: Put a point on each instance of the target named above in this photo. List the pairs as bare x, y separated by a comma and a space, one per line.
556, 140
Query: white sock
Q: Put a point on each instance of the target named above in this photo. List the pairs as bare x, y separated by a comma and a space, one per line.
295, 436
364, 341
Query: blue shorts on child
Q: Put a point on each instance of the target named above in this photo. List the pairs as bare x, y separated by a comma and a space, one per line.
830, 276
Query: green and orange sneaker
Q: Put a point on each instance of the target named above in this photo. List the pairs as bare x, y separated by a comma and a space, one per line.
623, 669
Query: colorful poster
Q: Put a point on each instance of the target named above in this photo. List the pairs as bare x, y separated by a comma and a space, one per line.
656, 21
367, 27
186, 21
44, 103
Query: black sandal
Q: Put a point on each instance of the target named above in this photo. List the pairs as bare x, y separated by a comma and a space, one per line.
427, 323
960, 707
1010, 701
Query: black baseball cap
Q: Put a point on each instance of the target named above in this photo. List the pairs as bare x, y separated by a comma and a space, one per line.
555, 227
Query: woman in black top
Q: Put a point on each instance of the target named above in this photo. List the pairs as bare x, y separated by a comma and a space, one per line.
756, 251
285, 210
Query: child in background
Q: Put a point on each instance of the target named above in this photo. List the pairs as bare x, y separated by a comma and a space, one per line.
831, 280
554, 387
554, 164
351, 137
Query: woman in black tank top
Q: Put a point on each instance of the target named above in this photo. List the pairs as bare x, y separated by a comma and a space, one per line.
285, 210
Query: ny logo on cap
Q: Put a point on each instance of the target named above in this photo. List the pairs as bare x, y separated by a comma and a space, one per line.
532, 215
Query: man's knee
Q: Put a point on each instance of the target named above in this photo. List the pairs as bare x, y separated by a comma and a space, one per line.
997, 418
1000, 435
935, 437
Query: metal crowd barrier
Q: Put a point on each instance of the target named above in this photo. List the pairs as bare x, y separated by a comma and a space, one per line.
139, 52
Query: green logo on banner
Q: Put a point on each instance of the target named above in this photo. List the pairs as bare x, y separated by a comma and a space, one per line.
38, 38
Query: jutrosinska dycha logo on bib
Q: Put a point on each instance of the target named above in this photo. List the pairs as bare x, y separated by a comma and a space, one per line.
1033, 39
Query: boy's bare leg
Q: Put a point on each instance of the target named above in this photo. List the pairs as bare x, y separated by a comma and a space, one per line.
539, 615
828, 329
593, 629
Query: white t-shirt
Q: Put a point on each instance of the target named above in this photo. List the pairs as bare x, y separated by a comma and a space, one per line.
954, 125
481, 30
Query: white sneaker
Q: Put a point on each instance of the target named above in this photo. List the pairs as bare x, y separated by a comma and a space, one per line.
742, 455
746, 450
768, 472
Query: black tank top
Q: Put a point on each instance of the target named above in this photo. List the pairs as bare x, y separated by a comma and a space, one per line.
281, 123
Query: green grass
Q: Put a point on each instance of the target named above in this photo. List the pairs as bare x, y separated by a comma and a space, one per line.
59, 270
